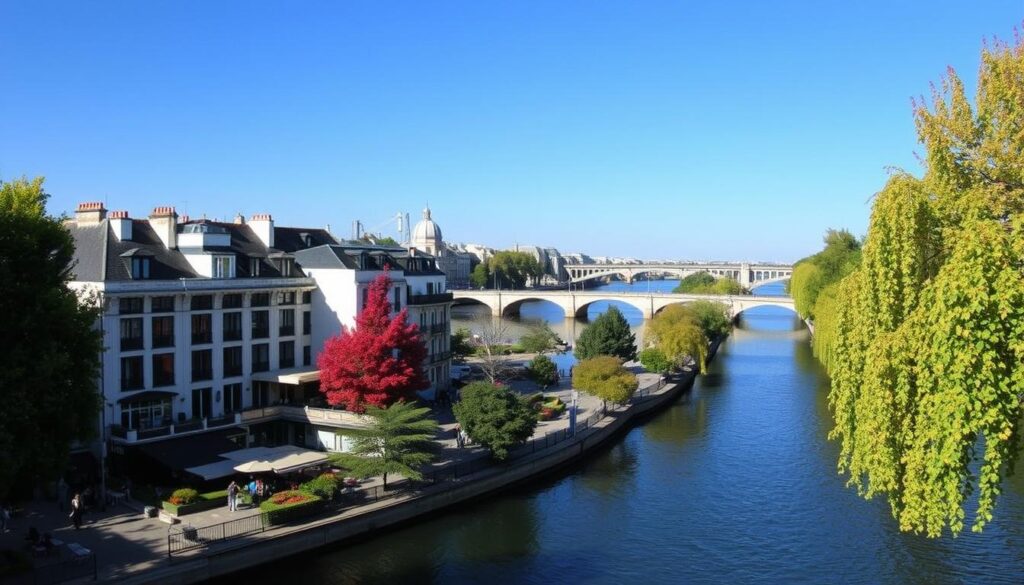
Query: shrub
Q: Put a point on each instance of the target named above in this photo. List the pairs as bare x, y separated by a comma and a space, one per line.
183, 496
323, 486
288, 505
546, 413
654, 360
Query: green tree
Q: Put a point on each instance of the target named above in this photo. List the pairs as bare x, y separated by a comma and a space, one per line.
539, 338
811, 275
460, 345
677, 334
604, 377
50, 362
398, 440
712, 318
495, 417
703, 283
924, 339
654, 360
609, 334
515, 269
480, 277
543, 371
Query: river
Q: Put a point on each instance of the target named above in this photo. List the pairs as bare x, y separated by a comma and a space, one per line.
734, 483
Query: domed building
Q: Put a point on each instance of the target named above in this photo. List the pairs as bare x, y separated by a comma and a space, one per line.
426, 237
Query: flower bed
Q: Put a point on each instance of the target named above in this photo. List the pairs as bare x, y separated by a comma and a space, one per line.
181, 504
288, 505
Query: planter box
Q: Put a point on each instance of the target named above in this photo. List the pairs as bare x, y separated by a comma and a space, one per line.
205, 502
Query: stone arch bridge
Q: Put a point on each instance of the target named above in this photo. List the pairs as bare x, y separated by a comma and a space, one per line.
574, 304
748, 275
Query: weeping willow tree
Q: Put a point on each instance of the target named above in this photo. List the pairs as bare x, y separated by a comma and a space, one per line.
924, 340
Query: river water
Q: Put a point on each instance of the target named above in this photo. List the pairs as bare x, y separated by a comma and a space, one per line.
733, 483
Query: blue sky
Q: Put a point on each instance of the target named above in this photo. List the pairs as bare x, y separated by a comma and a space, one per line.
727, 130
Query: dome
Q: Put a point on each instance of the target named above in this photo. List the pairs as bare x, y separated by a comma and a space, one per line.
427, 234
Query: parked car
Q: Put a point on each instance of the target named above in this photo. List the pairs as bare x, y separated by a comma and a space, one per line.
459, 373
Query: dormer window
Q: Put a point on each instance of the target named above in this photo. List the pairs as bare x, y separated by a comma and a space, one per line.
254, 266
223, 266
140, 268
287, 266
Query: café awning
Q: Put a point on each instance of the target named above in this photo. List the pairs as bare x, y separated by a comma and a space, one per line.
216, 470
292, 376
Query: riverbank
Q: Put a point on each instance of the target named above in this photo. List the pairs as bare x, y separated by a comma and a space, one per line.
223, 558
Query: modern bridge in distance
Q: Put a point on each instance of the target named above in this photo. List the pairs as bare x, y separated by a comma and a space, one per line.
747, 274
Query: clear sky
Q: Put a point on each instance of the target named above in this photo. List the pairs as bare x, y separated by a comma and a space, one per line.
698, 130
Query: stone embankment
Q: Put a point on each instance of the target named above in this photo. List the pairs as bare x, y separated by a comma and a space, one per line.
235, 555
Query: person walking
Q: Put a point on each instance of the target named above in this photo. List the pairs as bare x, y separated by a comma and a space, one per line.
232, 496
260, 490
76, 511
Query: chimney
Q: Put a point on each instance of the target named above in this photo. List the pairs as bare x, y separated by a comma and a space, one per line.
239, 219
121, 224
164, 221
90, 213
263, 226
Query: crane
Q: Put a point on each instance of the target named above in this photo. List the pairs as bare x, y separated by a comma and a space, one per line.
402, 227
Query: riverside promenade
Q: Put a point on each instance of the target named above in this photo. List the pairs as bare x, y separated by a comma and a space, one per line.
134, 549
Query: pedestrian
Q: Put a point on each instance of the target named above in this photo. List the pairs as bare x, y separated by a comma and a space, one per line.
260, 490
76, 511
252, 491
232, 496
62, 493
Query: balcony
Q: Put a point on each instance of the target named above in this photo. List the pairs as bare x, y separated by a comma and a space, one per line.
433, 299
163, 341
307, 414
194, 426
131, 343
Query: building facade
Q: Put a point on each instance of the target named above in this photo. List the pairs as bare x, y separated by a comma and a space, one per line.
212, 330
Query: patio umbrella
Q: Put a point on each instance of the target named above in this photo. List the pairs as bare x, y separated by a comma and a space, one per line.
254, 467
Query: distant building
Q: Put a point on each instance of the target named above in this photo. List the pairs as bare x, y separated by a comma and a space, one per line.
455, 263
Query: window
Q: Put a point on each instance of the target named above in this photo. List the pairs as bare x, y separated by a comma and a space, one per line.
202, 328
260, 324
307, 297
202, 402
223, 266
130, 305
140, 268
163, 332
131, 333
202, 365
260, 300
162, 305
254, 266
232, 301
398, 299
286, 354
232, 361
131, 373
307, 355
307, 322
286, 298
232, 326
286, 323
163, 369
260, 357
232, 398
366, 297
430, 288
146, 414
201, 303
286, 266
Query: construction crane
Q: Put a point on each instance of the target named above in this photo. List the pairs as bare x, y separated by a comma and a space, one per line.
402, 227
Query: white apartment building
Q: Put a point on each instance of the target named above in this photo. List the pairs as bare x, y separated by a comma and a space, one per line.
212, 329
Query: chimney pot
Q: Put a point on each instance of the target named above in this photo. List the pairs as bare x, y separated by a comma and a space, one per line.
90, 213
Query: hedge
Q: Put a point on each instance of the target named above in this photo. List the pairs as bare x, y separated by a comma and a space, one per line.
207, 501
304, 504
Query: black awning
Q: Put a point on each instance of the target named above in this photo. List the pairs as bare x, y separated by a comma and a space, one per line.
147, 395
193, 450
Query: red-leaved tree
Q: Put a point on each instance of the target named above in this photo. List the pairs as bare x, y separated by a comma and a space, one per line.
378, 362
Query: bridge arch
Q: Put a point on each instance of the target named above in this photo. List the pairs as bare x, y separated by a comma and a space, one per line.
472, 302
512, 309
641, 304
742, 307
773, 280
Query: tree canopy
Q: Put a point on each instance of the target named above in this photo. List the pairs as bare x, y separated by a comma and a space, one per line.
654, 360
480, 277
677, 334
495, 417
604, 377
811, 275
609, 334
538, 338
398, 440
514, 269
49, 365
712, 318
378, 362
460, 345
703, 283
543, 371
924, 339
